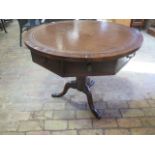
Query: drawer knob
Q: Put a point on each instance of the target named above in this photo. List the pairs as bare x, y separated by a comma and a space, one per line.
89, 67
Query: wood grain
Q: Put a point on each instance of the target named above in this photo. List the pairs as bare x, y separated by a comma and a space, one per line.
83, 40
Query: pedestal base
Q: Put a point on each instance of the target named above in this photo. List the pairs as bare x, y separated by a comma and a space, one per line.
82, 84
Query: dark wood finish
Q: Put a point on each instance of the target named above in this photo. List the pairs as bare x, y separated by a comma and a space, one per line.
65, 68
81, 49
83, 85
83, 40
151, 31
137, 23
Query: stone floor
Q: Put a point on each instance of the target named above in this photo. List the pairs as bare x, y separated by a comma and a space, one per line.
126, 100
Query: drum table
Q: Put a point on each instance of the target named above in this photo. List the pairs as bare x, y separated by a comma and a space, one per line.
82, 48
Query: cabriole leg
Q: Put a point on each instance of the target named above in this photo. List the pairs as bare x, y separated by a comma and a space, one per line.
82, 84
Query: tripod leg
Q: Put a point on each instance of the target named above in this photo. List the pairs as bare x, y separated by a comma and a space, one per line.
90, 82
81, 85
68, 85
90, 102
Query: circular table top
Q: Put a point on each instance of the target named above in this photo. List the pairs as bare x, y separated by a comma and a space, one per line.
83, 40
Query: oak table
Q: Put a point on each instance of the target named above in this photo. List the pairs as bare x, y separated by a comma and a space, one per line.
82, 48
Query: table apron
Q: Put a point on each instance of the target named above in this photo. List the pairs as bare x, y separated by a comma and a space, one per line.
66, 68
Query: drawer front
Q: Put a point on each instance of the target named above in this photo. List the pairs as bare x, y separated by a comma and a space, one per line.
72, 69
